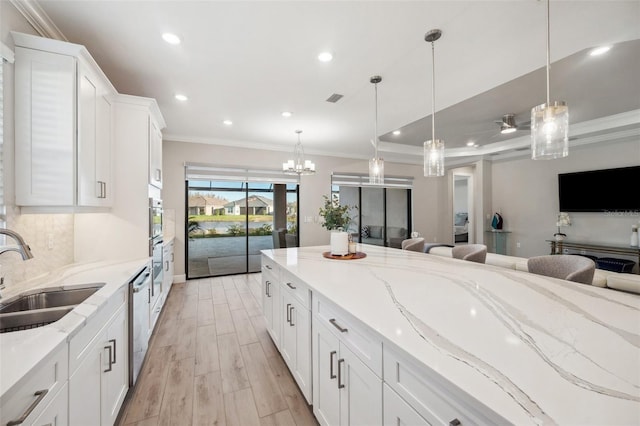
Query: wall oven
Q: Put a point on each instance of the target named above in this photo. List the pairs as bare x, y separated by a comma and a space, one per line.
155, 251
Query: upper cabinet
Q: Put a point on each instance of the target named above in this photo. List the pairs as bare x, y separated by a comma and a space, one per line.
155, 154
63, 130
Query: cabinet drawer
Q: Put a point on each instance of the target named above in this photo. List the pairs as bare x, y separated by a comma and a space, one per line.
268, 265
397, 411
80, 342
297, 288
363, 342
427, 394
41, 385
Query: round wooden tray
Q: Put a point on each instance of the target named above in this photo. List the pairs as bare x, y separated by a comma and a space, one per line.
350, 256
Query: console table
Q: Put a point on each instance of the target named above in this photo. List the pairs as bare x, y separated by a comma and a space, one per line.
557, 247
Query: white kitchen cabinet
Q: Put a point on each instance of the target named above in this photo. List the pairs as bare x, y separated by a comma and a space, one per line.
41, 387
295, 343
62, 125
271, 306
346, 391
99, 384
57, 412
155, 154
168, 259
398, 412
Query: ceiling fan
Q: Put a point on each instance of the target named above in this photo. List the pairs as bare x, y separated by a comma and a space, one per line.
508, 124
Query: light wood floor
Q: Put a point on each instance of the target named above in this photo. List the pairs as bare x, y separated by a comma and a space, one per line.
212, 362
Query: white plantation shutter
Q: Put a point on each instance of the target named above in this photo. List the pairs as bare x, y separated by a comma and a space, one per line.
198, 171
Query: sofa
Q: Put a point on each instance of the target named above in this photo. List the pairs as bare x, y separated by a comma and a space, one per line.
373, 234
601, 278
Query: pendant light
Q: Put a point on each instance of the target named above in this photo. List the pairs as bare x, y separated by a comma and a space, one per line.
376, 164
434, 148
298, 166
549, 123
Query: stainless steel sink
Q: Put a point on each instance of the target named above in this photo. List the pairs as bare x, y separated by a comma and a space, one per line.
49, 299
25, 320
40, 309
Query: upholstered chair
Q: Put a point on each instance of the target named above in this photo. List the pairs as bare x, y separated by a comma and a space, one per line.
568, 267
279, 240
413, 244
471, 252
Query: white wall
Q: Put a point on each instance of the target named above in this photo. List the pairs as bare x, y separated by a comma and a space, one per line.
526, 194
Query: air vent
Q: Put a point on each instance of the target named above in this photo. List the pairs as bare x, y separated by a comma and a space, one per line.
334, 98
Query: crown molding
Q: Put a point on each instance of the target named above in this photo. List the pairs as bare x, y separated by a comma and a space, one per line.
38, 19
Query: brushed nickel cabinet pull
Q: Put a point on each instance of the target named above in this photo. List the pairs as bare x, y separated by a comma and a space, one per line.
110, 356
114, 349
455, 422
289, 313
267, 266
335, 324
40, 395
331, 373
291, 309
267, 286
291, 286
340, 384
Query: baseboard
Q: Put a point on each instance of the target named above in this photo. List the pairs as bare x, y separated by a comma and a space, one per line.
180, 278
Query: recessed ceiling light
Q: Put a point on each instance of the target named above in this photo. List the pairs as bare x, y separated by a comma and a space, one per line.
171, 38
181, 97
599, 50
396, 132
325, 57
227, 122
286, 114
471, 143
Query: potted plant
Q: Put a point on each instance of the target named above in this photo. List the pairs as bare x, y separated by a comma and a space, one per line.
337, 220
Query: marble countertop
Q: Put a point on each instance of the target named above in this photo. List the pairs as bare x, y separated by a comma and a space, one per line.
21, 351
535, 350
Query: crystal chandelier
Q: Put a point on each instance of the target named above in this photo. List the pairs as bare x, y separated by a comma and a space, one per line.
298, 166
549, 123
434, 148
376, 164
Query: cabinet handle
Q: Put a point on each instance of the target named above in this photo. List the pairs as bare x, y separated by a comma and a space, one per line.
455, 422
114, 349
166, 262
40, 395
335, 324
110, 361
291, 286
104, 189
289, 313
340, 384
267, 287
291, 309
172, 257
268, 267
331, 373
159, 175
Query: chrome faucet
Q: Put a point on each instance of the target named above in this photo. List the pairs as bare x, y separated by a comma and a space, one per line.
22, 247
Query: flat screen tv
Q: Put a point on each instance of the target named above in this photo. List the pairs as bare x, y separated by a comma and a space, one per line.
610, 190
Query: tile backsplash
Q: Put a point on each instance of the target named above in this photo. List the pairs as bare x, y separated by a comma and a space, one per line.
50, 237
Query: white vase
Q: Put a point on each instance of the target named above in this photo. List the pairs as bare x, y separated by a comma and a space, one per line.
339, 243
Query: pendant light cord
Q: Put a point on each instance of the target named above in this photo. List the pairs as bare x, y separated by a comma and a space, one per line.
433, 93
375, 125
548, 52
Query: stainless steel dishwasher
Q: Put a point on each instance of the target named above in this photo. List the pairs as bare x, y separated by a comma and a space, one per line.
139, 308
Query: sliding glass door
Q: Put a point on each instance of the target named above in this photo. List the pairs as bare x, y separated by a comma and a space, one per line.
230, 222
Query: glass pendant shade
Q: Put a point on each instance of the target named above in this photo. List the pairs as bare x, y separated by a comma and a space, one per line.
298, 166
550, 131
434, 158
376, 171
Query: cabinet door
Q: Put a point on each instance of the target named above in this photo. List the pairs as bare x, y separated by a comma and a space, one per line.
85, 393
155, 154
44, 128
288, 336
94, 140
326, 395
360, 391
271, 307
56, 413
301, 318
398, 412
115, 382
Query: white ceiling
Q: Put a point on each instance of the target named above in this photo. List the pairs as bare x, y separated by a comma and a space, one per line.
248, 61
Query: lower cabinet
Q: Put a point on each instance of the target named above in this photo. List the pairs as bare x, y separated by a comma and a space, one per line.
167, 273
271, 306
56, 413
398, 412
295, 341
346, 391
99, 384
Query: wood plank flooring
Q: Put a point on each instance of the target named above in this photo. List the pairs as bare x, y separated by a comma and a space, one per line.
212, 362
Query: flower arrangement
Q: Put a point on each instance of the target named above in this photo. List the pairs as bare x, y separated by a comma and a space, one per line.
335, 216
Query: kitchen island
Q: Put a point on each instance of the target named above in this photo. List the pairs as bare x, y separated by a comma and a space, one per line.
506, 346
